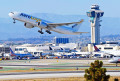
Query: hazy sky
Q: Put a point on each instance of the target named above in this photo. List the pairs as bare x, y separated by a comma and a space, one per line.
111, 7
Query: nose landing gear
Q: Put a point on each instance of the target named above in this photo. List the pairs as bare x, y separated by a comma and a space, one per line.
14, 21
40, 31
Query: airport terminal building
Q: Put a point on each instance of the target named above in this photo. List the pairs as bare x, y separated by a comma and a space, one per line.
4, 49
105, 46
37, 49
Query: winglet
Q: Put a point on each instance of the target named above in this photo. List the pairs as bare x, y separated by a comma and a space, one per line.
81, 20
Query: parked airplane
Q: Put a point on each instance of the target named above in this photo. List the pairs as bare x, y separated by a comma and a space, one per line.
48, 52
115, 60
31, 22
19, 56
109, 52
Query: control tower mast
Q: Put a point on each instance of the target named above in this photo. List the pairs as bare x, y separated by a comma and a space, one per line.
95, 13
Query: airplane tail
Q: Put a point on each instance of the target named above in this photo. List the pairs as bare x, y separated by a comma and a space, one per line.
50, 48
61, 48
12, 53
96, 49
77, 26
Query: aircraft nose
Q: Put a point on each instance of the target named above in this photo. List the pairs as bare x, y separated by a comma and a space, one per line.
11, 14
110, 61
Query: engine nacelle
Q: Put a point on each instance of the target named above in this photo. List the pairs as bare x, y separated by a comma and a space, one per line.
42, 24
27, 25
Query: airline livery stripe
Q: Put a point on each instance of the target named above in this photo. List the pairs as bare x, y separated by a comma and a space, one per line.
30, 17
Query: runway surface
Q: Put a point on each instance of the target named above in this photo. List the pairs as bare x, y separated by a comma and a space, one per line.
50, 64
48, 74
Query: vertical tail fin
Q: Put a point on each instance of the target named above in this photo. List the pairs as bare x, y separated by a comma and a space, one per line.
61, 48
74, 50
12, 53
50, 48
96, 49
77, 26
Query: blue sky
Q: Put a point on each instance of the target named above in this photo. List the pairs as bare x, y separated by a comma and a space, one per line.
111, 7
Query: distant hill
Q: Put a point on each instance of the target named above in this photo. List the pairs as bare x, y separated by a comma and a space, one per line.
10, 30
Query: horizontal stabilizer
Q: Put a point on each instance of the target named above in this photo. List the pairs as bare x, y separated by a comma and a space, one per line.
80, 32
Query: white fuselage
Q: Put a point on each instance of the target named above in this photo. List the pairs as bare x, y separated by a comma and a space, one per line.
34, 22
115, 60
114, 53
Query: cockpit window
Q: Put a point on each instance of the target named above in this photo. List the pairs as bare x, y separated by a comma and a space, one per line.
12, 12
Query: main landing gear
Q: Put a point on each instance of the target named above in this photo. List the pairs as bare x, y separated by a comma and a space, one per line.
40, 31
48, 31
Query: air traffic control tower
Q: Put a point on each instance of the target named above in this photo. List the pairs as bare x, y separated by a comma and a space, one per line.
95, 13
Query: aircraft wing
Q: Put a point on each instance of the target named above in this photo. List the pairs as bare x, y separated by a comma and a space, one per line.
61, 24
80, 32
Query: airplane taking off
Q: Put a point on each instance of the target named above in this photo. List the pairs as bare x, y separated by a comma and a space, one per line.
31, 22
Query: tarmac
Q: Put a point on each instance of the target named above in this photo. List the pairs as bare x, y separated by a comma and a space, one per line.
9, 65
56, 74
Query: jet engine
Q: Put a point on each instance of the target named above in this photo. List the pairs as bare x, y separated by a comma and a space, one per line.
42, 24
27, 25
